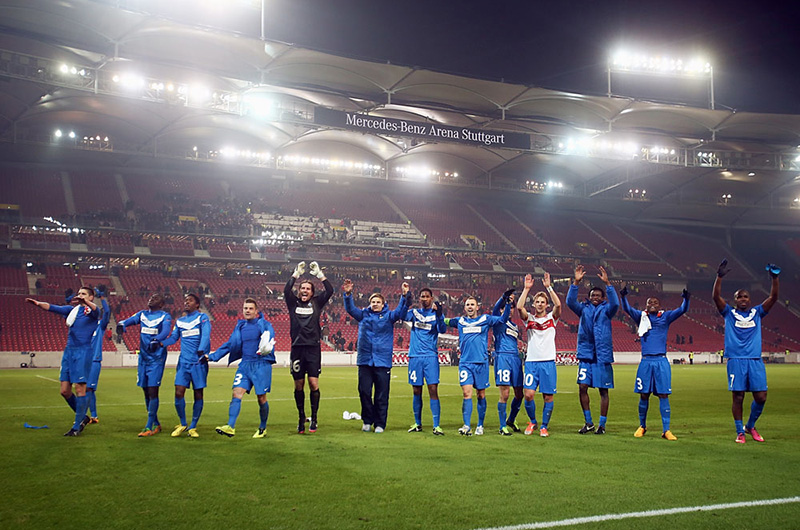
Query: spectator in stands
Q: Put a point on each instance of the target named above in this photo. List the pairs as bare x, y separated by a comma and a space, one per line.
155, 326
252, 341
97, 354
82, 316
375, 348
305, 357
194, 331
507, 366
426, 322
595, 349
746, 372
654, 374
540, 359
473, 368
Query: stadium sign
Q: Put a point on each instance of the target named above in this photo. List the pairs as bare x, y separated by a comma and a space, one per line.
432, 131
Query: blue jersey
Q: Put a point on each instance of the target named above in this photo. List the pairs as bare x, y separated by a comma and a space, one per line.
473, 335
505, 333
426, 324
654, 342
245, 340
194, 332
155, 326
743, 332
99, 332
82, 330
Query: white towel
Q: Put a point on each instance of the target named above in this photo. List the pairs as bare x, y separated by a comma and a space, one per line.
73, 315
644, 324
266, 344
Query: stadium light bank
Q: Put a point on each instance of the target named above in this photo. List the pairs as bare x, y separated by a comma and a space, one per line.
624, 62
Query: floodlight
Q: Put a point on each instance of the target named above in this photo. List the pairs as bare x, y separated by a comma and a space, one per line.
71, 134
64, 69
58, 133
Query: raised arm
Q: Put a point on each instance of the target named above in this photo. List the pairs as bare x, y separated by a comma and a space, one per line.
716, 292
774, 271
402, 305
349, 306
635, 314
553, 296
37, 303
527, 286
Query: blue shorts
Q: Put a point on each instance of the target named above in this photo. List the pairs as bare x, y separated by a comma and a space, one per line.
423, 369
195, 373
150, 373
654, 376
596, 375
507, 370
94, 375
475, 374
541, 374
76, 363
746, 375
254, 374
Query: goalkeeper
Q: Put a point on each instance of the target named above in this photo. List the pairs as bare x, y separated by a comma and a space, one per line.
305, 310
252, 341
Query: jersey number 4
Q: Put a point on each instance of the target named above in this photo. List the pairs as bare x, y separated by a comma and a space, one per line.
412, 376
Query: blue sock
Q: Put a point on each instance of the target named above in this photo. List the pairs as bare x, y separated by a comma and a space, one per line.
417, 405
436, 411
602, 421
92, 402
644, 404
481, 410
72, 401
263, 413
547, 411
80, 411
755, 411
587, 417
233, 411
197, 410
180, 408
501, 413
516, 403
466, 411
530, 408
152, 413
663, 404
739, 426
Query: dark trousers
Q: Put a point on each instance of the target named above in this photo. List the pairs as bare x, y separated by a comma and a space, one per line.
374, 409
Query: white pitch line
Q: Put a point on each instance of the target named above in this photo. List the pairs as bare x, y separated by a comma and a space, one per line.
649, 513
48, 379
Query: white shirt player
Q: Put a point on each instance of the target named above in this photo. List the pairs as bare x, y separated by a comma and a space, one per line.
541, 338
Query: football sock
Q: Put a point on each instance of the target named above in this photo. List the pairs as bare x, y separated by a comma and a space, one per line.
72, 401
197, 410
755, 411
263, 412
233, 411
644, 404
314, 403
530, 408
739, 426
417, 406
180, 408
547, 411
516, 403
587, 417
602, 421
501, 413
80, 411
466, 411
146, 400
92, 402
436, 411
152, 413
300, 401
663, 405
481, 410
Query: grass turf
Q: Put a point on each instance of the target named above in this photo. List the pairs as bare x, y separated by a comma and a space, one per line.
343, 478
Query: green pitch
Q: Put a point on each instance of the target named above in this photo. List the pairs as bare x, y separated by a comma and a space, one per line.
343, 478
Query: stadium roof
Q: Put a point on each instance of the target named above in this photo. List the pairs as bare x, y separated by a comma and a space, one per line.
65, 65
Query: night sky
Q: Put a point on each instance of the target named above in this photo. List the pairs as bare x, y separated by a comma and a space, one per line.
754, 47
